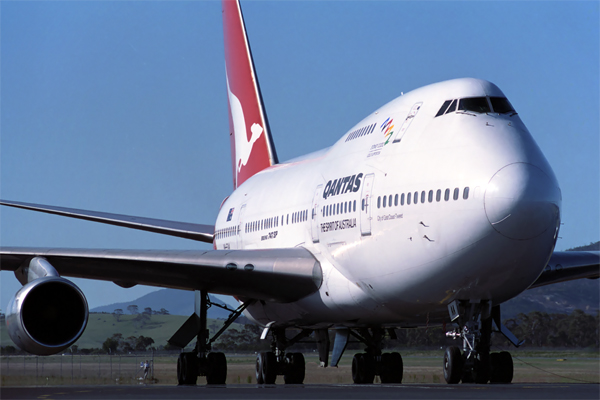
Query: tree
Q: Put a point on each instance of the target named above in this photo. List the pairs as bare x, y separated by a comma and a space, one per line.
133, 309
112, 344
142, 343
163, 312
117, 313
148, 311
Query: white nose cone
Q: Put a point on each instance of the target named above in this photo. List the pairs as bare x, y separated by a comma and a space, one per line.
522, 202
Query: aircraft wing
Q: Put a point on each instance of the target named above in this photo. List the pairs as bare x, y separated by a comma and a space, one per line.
282, 275
202, 233
569, 265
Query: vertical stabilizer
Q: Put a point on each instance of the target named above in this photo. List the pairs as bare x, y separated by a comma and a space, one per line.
252, 148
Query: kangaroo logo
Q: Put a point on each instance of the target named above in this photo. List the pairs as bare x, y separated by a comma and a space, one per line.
243, 146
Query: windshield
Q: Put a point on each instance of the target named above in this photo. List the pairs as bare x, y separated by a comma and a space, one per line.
476, 104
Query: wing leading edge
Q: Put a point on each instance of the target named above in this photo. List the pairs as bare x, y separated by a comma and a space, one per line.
281, 275
569, 265
202, 233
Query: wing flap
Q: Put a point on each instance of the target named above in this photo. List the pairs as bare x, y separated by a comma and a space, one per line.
569, 265
281, 275
202, 233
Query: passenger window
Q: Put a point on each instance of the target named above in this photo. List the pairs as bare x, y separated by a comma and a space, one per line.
379, 202
423, 196
438, 195
345, 207
408, 198
396, 199
456, 192
362, 205
338, 209
416, 198
390, 200
466, 193
354, 205
384, 201
447, 195
430, 198
402, 199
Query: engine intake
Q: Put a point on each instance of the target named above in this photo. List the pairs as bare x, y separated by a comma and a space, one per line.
47, 315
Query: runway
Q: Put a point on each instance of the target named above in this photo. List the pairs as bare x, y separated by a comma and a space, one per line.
312, 392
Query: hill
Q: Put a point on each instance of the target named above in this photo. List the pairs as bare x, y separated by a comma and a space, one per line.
583, 294
102, 326
177, 302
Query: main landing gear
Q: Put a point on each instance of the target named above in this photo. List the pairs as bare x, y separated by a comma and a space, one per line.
277, 362
201, 361
475, 363
365, 366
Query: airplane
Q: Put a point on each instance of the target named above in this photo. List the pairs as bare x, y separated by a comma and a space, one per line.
431, 211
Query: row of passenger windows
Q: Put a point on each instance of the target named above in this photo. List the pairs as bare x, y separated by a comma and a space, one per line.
365, 130
408, 198
339, 208
499, 105
225, 232
273, 222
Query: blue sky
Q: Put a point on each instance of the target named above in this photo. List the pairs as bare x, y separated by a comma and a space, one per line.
121, 106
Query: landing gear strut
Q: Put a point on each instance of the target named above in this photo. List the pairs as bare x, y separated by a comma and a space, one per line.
269, 364
201, 361
476, 363
371, 363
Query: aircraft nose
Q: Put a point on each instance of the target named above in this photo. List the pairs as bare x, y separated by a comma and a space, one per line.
522, 202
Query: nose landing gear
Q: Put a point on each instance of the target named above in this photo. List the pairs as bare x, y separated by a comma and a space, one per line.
476, 363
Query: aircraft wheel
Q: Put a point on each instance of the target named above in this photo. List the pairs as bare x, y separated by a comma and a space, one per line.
268, 368
259, 367
502, 369
187, 369
453, 365
363, 368
481, 369
392, 368
217, 369
296, 368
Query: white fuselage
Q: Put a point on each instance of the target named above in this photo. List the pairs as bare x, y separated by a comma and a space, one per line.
483, 227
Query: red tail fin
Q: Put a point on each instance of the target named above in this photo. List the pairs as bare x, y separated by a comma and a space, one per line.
252, 148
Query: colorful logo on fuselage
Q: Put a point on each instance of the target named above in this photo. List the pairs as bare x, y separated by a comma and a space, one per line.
387, 129
230, 215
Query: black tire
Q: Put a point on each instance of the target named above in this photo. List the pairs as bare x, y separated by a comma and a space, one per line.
506, 367
295, 369
269, 368
481, 369
392, 368
187, 369
453, 365
217, 369
363, 368
260, 359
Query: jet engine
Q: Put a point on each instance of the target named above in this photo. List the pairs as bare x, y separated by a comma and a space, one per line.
47, 315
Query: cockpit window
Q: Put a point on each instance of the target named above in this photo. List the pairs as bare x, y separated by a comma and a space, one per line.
452, 107
443, 108
501, 105
481, 105
475, 104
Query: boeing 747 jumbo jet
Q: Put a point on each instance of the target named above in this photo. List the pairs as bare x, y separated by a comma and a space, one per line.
433, 210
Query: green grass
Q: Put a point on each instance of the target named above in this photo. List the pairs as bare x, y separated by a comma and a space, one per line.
102, 326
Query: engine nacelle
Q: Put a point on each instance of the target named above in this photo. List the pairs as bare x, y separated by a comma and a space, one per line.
47, 315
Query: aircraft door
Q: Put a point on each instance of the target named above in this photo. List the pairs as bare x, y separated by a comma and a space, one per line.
315, 215
365, 205
240, 227
407, 121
